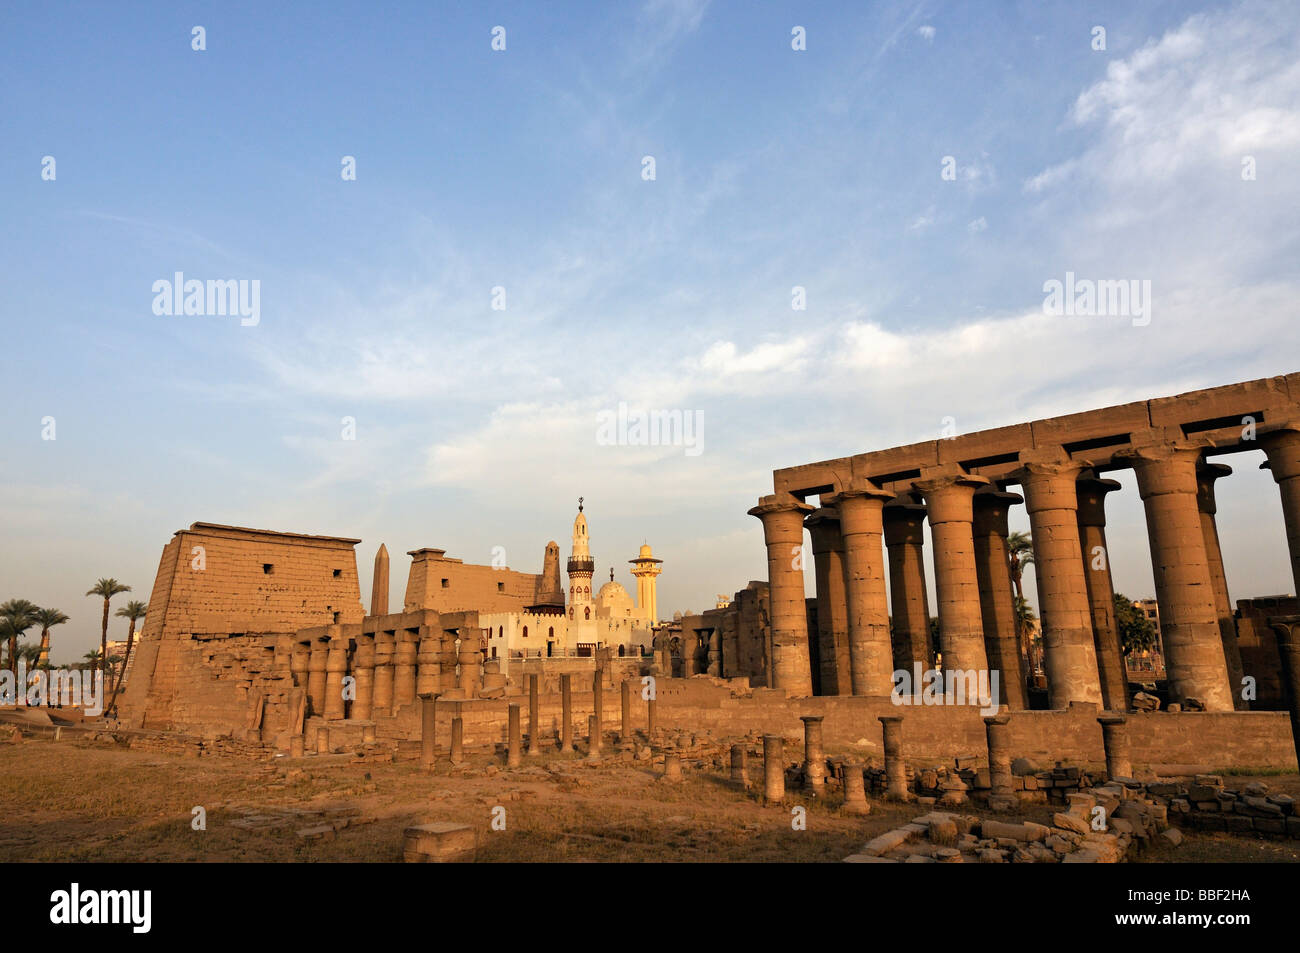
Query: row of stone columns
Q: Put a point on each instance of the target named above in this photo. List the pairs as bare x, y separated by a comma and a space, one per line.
1065, 501
390, 669
514, 744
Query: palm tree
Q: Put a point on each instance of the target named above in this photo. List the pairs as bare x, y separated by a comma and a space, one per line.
107, 588
18, 616
1024, 623
134, 611
48, 619
1020, 549
91, 660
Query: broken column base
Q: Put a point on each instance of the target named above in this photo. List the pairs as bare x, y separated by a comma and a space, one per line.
1003, 803
442, 842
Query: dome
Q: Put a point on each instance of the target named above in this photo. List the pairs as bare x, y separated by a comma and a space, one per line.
613, 596
645, 551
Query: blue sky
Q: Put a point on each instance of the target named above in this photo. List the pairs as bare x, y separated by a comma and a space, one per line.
522, 169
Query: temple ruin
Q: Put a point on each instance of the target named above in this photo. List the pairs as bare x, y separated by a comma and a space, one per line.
867, 527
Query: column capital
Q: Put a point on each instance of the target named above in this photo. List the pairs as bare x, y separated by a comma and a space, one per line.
1111, 719
1206, 474
780, 503
904, 522
1092, 490
949, 493
1001, 718
1281, 443
821, 516
859, 508
938, 479
1151, 449
1047, 462
823, 526
991, 508
1165, 466
782, 517
858, 489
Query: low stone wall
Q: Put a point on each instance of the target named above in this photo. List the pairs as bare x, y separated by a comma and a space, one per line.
940, 734
931, 734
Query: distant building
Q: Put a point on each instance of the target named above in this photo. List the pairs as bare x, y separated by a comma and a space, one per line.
1149, 664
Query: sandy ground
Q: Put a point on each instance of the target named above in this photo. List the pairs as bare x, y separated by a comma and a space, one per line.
78, 801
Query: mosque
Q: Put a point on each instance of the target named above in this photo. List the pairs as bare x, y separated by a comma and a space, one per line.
556, 627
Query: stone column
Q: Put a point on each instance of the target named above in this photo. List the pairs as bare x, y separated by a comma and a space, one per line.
300, 668
789, 663
447, 662
1288, 649
428, 729
855, 792
773, 769
457, 740
625, 730
1101, 592
593, 737
895, 769
672, 765
871, 657
363, 668
598, 699
323, 740
814, 758
1114, 737
949, 497
566, 714
904, 525
651, 714
1282, 446
404, 653
316, 677
832, 606
739, 766
428, 662
470, 657
1206, 474
1189, 621
385, 646
1052, 499
1002, 795
534, 720
512, 738
336, 668
997, 598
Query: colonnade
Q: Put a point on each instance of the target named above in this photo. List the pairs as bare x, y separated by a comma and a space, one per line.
868, 540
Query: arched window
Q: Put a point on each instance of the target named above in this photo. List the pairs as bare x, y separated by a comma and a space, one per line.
525, 631
500, 631
587, 612
550, 632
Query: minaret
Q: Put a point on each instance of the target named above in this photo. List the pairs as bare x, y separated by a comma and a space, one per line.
379, 584
646, 568
581, 568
